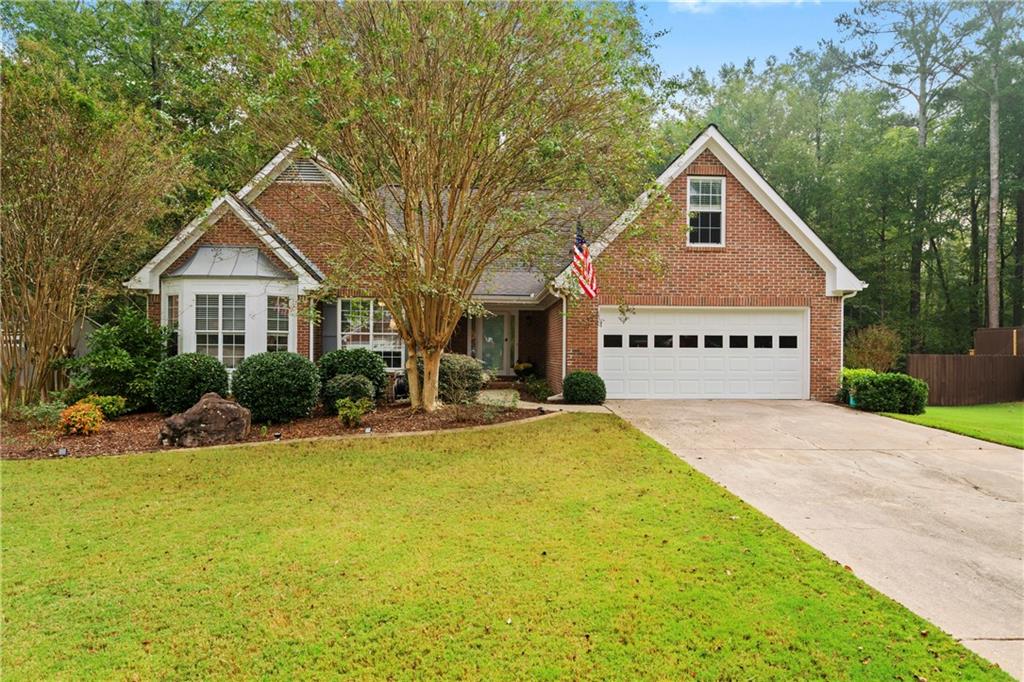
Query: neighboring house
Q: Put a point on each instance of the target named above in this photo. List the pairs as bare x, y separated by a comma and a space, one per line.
746, 304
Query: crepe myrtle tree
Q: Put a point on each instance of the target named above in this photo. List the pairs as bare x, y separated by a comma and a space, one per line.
81, 178
467, 134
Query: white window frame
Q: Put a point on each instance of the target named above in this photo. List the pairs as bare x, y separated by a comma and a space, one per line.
165, 317
287, 333
220, 323
373, 307
691, 178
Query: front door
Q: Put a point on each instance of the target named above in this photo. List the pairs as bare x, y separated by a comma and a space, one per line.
494, 341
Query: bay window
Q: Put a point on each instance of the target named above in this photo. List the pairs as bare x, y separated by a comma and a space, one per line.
277, 323
220, 327
365, 323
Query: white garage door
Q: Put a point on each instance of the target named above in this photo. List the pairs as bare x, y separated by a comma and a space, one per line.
704, 353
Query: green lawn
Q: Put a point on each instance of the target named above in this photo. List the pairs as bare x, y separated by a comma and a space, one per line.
999, 423
573, 547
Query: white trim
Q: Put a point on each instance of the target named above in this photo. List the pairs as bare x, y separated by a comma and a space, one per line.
721, 243
269, 172
838, 278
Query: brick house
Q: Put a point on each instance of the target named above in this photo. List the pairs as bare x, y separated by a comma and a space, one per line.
745, 302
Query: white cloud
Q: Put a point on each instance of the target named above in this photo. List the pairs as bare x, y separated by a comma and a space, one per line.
708, 6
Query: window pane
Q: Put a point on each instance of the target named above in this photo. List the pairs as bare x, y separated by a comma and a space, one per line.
687, 340
277, 314
277, 342
392, 358
207, 344
762, 342
787, 342
737, 341
233, 312
662, 340
207, 313
613, 341
638, 341
381, 320
713, 341
234, 350
355, 323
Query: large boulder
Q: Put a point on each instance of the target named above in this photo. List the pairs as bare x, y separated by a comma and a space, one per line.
211, 421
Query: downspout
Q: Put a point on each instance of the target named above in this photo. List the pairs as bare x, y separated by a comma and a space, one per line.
565, 310
842, 329
311, 331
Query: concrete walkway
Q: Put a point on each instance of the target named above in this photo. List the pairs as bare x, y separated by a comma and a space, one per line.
932, 519
510, 397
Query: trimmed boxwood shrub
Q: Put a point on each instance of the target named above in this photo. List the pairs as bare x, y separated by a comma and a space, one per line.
352, 386
891, 392
359, 361
459, 378
180, 381
276, 386
583, 388
849, 379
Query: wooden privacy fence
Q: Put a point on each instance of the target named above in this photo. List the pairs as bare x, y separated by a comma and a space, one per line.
999, 341
969, 379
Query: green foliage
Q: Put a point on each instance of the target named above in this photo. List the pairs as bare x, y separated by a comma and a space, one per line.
351, 412
460, 378
181, 380
276, 387
81, 419
848, 379
353, 386
890, 392
122, 359
998, 423
538, 388
359, 361
583, 388
112, 406
876, 347
45, 414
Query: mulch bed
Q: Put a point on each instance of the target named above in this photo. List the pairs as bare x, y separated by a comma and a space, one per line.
138, 432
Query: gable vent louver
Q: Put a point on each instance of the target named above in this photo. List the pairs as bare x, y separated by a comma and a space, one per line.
302, 170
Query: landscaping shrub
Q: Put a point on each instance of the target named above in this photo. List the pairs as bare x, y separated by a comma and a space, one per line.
276, 386
583, 388
848, 378
353, 386
876, 347
537, 388
351, 412
359, 361
81, 419
122, 359
459, 378
523, 369
112, 406
890, 392
180, 381
46, 414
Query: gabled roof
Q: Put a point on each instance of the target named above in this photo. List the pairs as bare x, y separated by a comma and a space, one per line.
301, 267
230, 261
838, 278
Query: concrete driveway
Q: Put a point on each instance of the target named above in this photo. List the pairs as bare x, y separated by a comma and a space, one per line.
932, 519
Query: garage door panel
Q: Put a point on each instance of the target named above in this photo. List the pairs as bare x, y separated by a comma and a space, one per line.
669, 366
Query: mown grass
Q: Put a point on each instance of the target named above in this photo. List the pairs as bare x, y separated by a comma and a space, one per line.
573, 547
998, 423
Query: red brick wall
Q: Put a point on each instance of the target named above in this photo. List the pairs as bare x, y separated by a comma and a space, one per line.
153, 308
760, 265
553, 346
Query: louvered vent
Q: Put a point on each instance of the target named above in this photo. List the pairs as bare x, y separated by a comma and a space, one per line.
302, 170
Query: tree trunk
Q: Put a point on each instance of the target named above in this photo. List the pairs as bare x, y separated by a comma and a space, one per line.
431, 369
412, 372
974, 311
992, 274
1018, 263
917, 238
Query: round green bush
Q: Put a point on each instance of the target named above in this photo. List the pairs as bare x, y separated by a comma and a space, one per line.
276, 387
890, 392
180, 381
583, 388
352, 386
459, 378
359, 361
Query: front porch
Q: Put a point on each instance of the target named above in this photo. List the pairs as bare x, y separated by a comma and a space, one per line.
503, 338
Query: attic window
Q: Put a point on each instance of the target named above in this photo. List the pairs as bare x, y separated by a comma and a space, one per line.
302, 170
705, 204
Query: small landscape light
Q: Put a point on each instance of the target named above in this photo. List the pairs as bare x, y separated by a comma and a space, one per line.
277, 435
368, 429
62, 452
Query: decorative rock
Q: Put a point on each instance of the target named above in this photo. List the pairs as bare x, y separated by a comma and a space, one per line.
211, 421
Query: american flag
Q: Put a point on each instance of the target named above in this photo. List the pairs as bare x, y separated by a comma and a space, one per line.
583, 266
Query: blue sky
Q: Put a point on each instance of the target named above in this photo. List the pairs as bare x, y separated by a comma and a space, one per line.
709, 33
